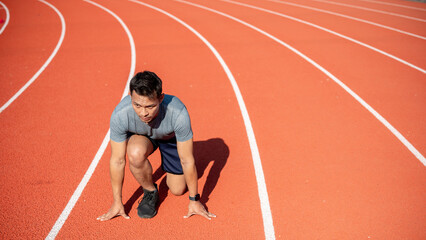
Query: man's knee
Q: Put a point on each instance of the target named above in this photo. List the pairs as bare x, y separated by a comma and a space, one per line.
138, 149
137, 156
176, 184
178, 190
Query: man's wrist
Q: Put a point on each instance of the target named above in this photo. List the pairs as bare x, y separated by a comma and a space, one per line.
118, 199
194, 198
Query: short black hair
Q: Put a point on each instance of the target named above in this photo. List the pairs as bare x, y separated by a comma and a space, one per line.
147, 84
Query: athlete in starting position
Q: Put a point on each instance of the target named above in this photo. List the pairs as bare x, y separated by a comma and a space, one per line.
141, 123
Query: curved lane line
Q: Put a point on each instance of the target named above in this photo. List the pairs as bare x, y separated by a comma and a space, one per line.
58, 45
349, 17
7, 17
372, 10
401, 138
332, 32
260, 178
394, 4
79, 190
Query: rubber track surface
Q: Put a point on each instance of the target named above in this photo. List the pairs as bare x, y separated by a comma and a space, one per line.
332, 170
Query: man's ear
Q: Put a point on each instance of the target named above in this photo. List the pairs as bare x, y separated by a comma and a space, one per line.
161, 97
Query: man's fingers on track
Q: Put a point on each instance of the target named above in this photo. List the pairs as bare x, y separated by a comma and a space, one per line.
100, 217
188, 215
104, 217
211, 214
107, 217
125, 216
206, 215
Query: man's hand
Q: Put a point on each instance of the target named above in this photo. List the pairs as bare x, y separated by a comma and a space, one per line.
196, 208
117, 209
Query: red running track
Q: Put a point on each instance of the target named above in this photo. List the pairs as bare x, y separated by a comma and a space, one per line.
332, 170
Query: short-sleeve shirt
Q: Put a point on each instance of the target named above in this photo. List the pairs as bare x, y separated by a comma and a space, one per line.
172, 121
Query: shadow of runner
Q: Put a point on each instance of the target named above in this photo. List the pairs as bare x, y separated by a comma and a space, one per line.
213, 150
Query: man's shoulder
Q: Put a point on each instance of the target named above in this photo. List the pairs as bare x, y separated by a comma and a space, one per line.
123, 107
178, 117
119, 122
172, 102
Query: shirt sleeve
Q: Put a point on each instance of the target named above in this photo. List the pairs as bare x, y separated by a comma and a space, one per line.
118, 132
182, 128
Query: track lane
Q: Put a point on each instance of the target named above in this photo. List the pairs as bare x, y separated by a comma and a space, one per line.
402, 4
402, 7
4, 16
88, 174
339, 171
46, 63
405, 47
338, 34
49, 139
349, 17
382, 10
26, 44
393, 21
191, 72
374, 83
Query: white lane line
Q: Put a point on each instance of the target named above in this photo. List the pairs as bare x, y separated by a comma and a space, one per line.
394, 4
404, 141
372, 10
332, 32
58, 45
78, 191
349, 17
263, 193
7, 17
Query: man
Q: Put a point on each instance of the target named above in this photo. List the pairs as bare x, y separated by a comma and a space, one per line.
142, 122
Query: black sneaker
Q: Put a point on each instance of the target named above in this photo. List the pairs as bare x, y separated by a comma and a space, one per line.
147, 205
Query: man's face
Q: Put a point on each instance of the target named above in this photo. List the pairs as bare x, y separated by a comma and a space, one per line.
146, 108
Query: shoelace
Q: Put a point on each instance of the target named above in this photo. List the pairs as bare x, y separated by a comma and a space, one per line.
147, 197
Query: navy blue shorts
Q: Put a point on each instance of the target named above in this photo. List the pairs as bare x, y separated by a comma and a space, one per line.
170, 161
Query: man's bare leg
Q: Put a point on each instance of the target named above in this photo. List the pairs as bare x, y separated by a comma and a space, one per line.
176, 184
138, 149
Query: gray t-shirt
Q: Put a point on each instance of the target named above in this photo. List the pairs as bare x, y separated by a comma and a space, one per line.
172, 121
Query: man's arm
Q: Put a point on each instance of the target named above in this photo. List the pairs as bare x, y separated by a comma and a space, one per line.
185, 151
116, 167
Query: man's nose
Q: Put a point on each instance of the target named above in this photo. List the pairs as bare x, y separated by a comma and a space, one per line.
144, 112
